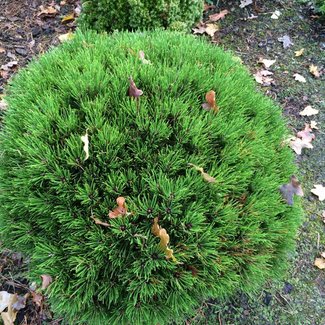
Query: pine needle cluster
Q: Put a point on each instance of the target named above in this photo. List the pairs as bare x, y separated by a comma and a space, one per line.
110, 15
139, 204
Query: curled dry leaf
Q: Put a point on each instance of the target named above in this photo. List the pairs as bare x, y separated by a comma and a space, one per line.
7, 300
319, 190
46, 280
298, 144
300, 52
205, 175
299, 77
99, 222
47, 11
286, 41
289, 190
313, 69
164, 239
267, 63
210, 97
143, 59
85, 140
133, 91
218, 16
308, 111
211, 29
120, 210
263, 77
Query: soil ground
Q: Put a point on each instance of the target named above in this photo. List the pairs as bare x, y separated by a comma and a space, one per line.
298, 298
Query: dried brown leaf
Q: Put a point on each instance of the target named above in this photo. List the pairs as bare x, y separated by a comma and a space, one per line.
133, 91
308, 111
218, 16
300, 52
289, 190
210, 104
46, 280
306, 134
320, 263
120, 210
313, 69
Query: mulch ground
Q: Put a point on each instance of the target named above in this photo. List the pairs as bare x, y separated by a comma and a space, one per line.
28, 29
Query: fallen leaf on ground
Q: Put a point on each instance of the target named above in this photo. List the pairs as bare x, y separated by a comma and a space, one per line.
319, 190
68, 18
85, 140
267, 63
320, 263
245, 3
38, 299
211, 29
99, 222
306, 134
66, 37
210, 97
308, 111
299, 77
218, 16
263, 77
199, 29
276, 14
9, 65
300, 52
205, 175
286, 41
289, 190
7, 300
298, 144
21, 302
46, 280
133, 91
120, 210
313, 69
47, 11
313, 125
143, 59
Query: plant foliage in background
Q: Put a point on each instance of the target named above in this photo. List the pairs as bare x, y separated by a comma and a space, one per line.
141, 172
110, 15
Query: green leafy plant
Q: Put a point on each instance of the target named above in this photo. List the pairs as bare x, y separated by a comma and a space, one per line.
141, 174
110, 15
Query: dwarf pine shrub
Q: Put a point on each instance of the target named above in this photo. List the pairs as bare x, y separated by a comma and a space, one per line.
109, 15
135, 199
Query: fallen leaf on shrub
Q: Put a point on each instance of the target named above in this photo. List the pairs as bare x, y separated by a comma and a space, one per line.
263, 77
85, 140
286, 41
66, 37
143, 59
298, 144
291, 189
68, 18
120, 210
210, 97
7, 300
218, 16
211, 29
313, 69
47, 11
267, 63
9, 65
306, 134
99, 222
313, 125
319, 190
133, 91
308, 111
245, 3
320, 263
300, 52
299, 77
46, 280
276, 14
206, 176
164, 239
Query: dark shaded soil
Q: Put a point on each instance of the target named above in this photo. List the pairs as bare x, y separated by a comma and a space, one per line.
299, 298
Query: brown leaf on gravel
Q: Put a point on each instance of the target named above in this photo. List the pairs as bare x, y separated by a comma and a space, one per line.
218, 16
299, 53
286, 41
298, 144
320, 263
299, 77
263, 77
47, 11
133, 91
210, 104
38, 299
120, 210
209, 29
9, 65
289, 190
199, 29
267, 63
308, 111
306, 134
313, 125
319, 190
46, 280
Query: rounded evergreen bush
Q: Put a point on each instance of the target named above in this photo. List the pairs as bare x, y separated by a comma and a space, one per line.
135, 199
110, 15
